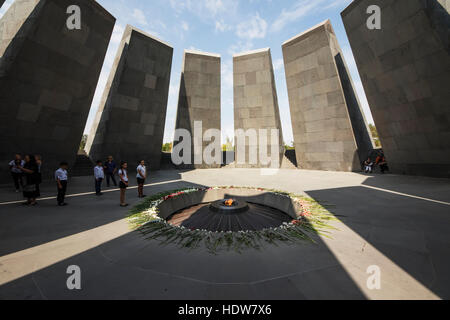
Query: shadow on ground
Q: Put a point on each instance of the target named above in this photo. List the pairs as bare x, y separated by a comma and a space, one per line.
413, 233
23, 227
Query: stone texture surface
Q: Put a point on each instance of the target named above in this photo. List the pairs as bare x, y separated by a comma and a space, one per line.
405, 70
330, 131
48, 76
130, 121
199, 98
406, 236
255, 100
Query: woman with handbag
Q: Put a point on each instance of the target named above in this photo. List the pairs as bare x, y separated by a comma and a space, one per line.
30, 170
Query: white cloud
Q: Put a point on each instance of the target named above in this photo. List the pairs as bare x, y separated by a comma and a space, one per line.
278, 65
227, 75
139, 17
214, 6
192, 48
117, 34
299, 10
227, 109
303, 8
353, 73
172, 107
222, 26
204, 8
255, 28
104, 74
185, 26
241, 46
337, 3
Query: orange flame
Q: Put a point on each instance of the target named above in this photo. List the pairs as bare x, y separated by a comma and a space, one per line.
229, 202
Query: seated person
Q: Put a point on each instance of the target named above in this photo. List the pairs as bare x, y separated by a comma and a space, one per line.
368, 164
382, 163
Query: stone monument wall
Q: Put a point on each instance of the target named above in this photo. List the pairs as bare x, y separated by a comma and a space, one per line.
48, 76
130, 121
256, 102
405, 71
199, 100
330, 130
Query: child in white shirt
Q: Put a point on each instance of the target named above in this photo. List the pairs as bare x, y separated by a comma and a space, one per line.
99, 175
61, 177
123, 184
141, 176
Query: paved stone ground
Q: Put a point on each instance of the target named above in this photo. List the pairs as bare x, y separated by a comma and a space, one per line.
398, 223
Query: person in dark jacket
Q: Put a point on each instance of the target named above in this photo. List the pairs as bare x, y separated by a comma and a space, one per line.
110, 171
30, 170
39, 174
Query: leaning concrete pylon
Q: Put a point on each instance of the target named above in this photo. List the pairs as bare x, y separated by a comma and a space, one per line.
330, 130
48, 76
405, 71
130, 121
255, 109
199, 104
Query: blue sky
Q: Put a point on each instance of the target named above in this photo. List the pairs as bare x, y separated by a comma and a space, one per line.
225, 27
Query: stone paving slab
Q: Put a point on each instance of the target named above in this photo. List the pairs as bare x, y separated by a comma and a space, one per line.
412, 251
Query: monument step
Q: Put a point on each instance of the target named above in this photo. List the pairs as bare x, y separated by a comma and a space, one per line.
83, 166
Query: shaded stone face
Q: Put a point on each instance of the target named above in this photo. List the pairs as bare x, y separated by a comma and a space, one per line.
327, 120
256, 103
405, 70
48, 76
199, 99
130, 122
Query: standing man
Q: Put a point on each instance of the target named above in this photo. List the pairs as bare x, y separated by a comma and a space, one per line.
99, 175
16, 172
110, 171
61, 182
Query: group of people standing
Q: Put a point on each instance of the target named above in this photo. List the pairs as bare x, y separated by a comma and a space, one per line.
109, 169
26, 174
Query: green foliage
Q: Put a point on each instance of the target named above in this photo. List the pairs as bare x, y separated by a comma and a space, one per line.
83, 142
228, 146
167, 147
289, 147
375, 136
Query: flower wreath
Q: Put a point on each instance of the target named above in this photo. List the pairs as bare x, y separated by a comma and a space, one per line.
314, 220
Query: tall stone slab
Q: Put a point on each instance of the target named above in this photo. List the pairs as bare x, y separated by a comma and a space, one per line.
330, 130
48, 76
129, 124
405, 71
199, 103
256, 106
